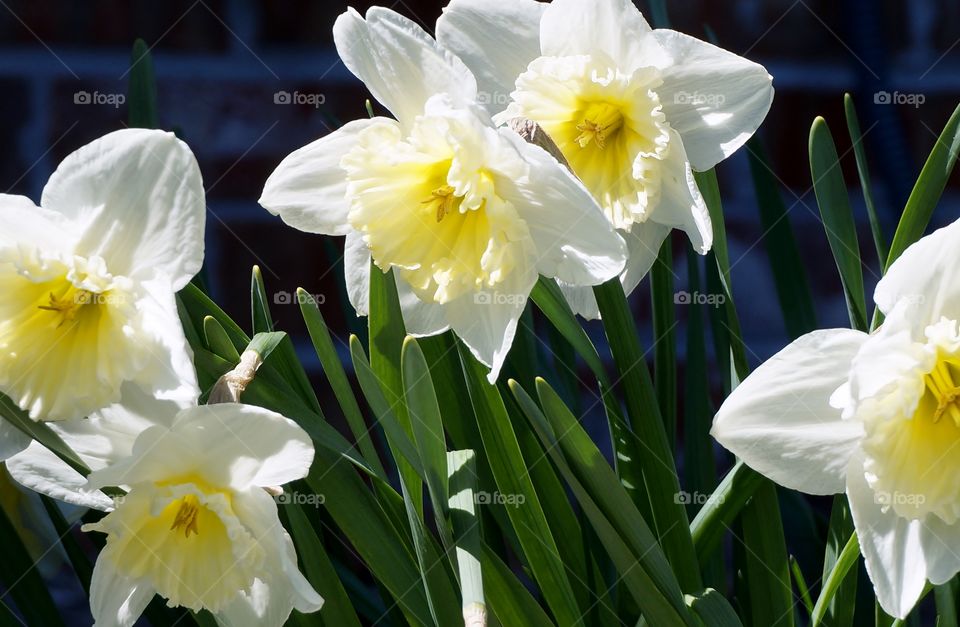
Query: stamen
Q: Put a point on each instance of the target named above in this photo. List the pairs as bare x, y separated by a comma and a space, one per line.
68, 305
444, 199
947, 394
600, 121
186, 518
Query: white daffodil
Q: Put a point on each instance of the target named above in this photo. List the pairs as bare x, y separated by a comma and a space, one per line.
876, 416
197, 526
467, 215
633, 110
87, 279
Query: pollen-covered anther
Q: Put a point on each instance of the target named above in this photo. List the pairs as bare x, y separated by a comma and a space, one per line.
444, 200
941, 384
600, 122
68, 305
186, 518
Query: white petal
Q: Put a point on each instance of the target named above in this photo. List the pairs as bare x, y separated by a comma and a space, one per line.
168, 373
138, 199
893, 359
308, 190
24, 224
643, 246
940, 542
116, 601
227, 444
42, 471
575, 241
928, 275
280, 587
399, 62
780, 422
891, 546
420, 319
615, 28
714, 98
496, 39
356, 264
487, 321
12, 440
681, 204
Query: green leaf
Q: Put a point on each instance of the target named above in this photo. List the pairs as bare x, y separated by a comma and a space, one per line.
259, 303
863, 170
618, 523
142, 89
801, 584
82, 567
840, 611
928, 189
789, 272
767, 567
218, 341
466, 528
510, 601
669, 518
40, 432
513, 480
665, 338
427, 427
317, 567
848, 557
333, 369
387, 333
838, 221
714, 610
718, 513
946, 596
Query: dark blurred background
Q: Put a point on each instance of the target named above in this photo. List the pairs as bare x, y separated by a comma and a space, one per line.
227, 71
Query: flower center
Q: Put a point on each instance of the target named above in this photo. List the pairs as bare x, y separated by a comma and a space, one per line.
186, 518
608, 124
601, 120
940, 383
69, 304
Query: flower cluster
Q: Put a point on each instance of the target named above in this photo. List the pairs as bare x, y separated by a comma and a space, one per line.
467, 215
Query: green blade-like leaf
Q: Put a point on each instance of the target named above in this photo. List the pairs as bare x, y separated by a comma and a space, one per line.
928, 189
259, 303
845, 561
40, 432
840, 611
665, 338
714, 610
838, 221
767, 566
21, 580
462, 484
947, 598
789, 273
669, 520
718, 513
617, 521
509, 600
218, 341
513, 480
863, 171
142, 89
316, 565
333, 369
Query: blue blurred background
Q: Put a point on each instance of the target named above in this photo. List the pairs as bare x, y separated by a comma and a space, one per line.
246, 82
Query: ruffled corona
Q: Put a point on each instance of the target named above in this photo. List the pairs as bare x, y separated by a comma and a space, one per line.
73, 318
609, 125
429, 206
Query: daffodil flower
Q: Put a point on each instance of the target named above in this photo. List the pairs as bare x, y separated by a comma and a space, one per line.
88, 277
467, 215
876, 416
197, 526
634, 110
